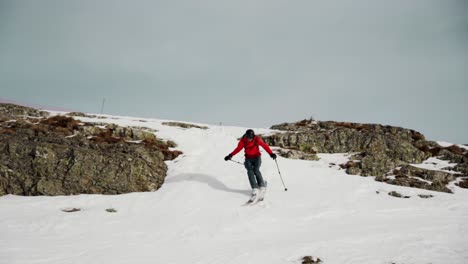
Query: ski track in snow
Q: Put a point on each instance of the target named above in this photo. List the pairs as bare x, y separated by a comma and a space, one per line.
197, 216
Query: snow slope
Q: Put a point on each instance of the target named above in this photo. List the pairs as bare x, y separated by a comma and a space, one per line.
198, 217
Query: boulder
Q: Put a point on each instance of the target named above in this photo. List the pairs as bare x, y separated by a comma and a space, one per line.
61, 156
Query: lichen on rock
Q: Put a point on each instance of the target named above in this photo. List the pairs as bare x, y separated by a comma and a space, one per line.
381, 149
61, 156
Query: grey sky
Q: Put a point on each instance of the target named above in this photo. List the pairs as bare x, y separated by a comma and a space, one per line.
250, 63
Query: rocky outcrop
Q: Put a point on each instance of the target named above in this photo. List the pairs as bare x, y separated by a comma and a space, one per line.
463, 183
11, 110
62, 156
411, 176
297, 154
310, 260
379, 150
398, 195
79, 114
183, 125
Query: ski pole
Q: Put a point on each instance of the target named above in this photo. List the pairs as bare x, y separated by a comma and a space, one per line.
285, 189
236, 162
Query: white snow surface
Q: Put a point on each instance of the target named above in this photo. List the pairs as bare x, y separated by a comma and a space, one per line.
444, 144
197, 216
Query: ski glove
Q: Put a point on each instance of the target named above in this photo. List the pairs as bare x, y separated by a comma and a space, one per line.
228, 157
273, 156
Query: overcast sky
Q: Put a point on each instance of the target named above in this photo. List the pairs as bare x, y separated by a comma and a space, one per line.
250, 63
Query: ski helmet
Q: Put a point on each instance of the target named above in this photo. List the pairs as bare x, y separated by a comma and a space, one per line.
249, 134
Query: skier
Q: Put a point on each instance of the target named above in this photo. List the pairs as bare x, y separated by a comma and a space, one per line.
250, 143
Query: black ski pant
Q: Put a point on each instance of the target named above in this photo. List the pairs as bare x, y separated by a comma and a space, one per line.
253, 171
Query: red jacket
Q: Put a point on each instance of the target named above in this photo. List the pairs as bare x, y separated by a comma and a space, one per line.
251, 147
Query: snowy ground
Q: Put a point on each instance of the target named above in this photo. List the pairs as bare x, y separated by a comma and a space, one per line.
198, 217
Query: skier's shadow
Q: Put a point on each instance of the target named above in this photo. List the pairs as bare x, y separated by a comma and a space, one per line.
204, 178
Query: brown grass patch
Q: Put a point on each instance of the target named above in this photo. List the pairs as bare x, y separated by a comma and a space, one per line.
106, 137
163, 147
355, 126
348, 165
455, 149
170, 155
154, 143
7, 131
366, 127
38, 129
345, 124
416, 136
171, 144
61, 121
433, 151
64, 131
304, 122
424, 148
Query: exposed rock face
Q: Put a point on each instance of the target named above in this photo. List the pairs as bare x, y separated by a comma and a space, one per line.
380, 149
61, 156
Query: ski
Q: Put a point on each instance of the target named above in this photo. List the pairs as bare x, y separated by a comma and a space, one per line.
261, 198
252, 200
257, 198
257, 201
262, 192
